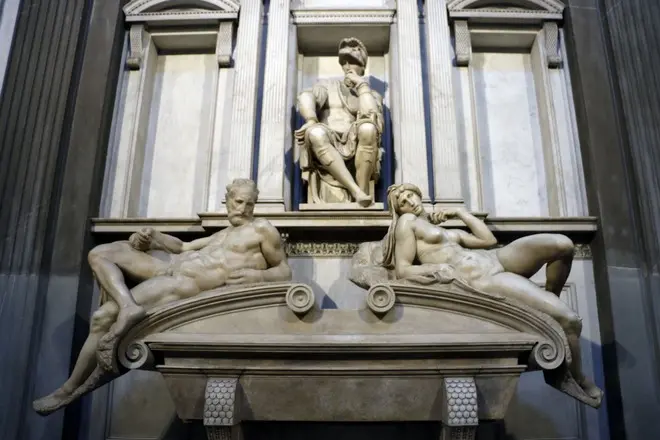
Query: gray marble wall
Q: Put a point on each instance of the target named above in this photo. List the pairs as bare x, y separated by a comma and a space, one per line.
613, 47
8, 12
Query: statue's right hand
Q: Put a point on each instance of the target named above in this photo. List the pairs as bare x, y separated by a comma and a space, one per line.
142, 239
307, 124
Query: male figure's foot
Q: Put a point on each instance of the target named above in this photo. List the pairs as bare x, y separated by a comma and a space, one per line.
127, 318
52, 402
363, 199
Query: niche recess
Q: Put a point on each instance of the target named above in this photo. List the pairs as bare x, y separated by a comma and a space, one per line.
515, 108
172, 107
319, 29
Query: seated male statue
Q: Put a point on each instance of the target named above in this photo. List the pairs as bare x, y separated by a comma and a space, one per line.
415, 247
248, 251
343, 122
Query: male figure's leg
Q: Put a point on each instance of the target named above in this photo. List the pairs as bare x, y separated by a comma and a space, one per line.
153, 292
109, 262
332, 162
366, 155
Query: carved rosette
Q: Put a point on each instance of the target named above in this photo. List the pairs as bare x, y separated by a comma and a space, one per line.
300, 299
381, 299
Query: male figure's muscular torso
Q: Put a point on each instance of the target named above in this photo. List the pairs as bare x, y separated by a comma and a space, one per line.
230, 249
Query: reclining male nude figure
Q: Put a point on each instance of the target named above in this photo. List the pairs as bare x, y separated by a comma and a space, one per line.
249, 251
445, 254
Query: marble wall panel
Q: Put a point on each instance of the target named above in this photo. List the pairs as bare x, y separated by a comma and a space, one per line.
176, 157
185, 130
510, 146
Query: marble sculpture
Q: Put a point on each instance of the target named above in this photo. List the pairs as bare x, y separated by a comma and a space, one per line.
249, 251
342, 131
416, 249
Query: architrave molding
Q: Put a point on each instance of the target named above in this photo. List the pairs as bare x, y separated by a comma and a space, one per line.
383, 17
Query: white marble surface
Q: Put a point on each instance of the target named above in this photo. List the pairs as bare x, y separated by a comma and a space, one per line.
511, 151
571, 168
328, 277
180, 131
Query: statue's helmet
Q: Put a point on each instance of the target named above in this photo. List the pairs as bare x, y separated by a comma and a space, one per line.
353, 50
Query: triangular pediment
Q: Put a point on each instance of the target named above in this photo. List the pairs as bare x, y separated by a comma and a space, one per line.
531, 5
506, 11
137, 7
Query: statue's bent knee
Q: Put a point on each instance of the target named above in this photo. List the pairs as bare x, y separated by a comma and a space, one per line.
367, 133
564, 245
317, 135
571, 322
102, 320
318, 138
105, 250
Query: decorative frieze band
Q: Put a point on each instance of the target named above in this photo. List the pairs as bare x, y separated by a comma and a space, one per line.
348, 249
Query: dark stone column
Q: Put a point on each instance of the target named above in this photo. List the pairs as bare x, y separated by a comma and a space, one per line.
55, 113
613, 51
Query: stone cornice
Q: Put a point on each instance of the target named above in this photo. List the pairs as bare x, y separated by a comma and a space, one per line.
357, 221
347, 16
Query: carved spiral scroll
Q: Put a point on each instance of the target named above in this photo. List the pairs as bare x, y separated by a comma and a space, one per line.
381, 299
300, 299
137, 355
547, 355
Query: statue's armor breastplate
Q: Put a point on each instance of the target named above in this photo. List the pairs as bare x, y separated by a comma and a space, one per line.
341, 109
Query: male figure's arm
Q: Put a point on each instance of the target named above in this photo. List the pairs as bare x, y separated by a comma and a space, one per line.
273, 253
150, 239
311, 99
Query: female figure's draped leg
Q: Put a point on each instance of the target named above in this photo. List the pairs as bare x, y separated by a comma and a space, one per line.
527, 255
522, 289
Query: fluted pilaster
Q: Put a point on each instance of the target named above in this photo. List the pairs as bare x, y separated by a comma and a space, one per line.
275, 136
413, 160
446, 165
240, 149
